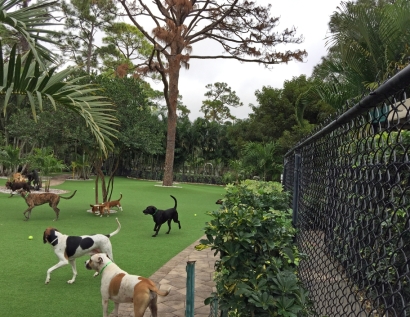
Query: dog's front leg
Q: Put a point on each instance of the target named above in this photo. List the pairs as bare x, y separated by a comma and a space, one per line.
105, 308
29, 213
156, 229
73, 266
51, 269
115, 311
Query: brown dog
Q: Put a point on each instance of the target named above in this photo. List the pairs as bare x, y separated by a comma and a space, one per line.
100, 209
13, 186
33, 200
104, 208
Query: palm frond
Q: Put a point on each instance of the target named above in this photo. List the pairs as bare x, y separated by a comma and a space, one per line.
36, 85
32, 23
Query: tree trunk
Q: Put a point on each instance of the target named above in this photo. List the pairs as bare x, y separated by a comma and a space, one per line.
174, 67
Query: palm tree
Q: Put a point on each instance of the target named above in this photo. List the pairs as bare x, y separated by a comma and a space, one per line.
45, 161
29, 25
10, 158
260, 158
29, 78
368, 43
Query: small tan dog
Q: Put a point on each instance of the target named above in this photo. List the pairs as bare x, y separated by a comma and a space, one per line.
18, 177
104, 208
121, 287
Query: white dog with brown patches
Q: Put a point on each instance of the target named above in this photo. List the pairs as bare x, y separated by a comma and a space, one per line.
121, 287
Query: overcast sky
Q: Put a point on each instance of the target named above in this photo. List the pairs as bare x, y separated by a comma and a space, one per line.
310, 19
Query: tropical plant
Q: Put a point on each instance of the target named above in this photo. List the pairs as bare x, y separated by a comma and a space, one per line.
25, 80
81, 167
10, 158
368, 43
29, 27
253, 234
44, 160
261, 159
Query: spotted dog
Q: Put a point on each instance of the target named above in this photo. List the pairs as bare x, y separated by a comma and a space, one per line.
68, 248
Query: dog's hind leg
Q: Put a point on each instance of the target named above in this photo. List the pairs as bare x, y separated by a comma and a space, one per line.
57, 211
153, 305
169, 225
143, 299
176, 220
73, 266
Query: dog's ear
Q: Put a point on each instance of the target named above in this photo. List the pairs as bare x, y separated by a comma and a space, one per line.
100, 260
45, 236
47, 233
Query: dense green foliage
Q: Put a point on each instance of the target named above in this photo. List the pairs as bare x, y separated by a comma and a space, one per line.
256, 273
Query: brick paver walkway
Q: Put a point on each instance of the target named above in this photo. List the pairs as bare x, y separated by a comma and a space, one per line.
173, 274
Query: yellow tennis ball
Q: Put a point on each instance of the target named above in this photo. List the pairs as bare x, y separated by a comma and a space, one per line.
30, 237
195, 215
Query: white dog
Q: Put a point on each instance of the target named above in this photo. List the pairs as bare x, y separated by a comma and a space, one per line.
68, 248
121, 287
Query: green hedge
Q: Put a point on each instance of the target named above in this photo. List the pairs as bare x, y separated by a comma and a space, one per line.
256, 273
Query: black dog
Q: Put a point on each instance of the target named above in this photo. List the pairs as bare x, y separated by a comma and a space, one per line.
162, 216
33, 177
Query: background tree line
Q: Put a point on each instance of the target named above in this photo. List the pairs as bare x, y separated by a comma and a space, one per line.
367, 44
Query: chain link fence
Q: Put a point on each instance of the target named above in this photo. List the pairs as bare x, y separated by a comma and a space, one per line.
350, 183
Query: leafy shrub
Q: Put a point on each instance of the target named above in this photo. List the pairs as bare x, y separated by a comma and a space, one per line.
256, 273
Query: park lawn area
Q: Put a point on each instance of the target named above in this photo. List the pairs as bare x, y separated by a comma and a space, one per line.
24, 262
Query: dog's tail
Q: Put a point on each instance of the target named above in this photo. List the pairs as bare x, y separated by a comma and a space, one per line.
154, 289
116, 231
175, 207
120, 197
70, 196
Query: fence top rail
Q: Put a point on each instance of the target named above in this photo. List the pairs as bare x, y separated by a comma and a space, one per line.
398, 82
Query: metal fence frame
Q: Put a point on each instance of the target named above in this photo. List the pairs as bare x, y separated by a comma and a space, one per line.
350, 187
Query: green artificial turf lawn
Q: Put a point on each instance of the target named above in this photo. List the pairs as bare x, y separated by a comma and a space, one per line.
24, 262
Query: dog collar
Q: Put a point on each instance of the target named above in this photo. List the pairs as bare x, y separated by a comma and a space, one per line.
105, 267
156, 209
26, 195
54, 241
